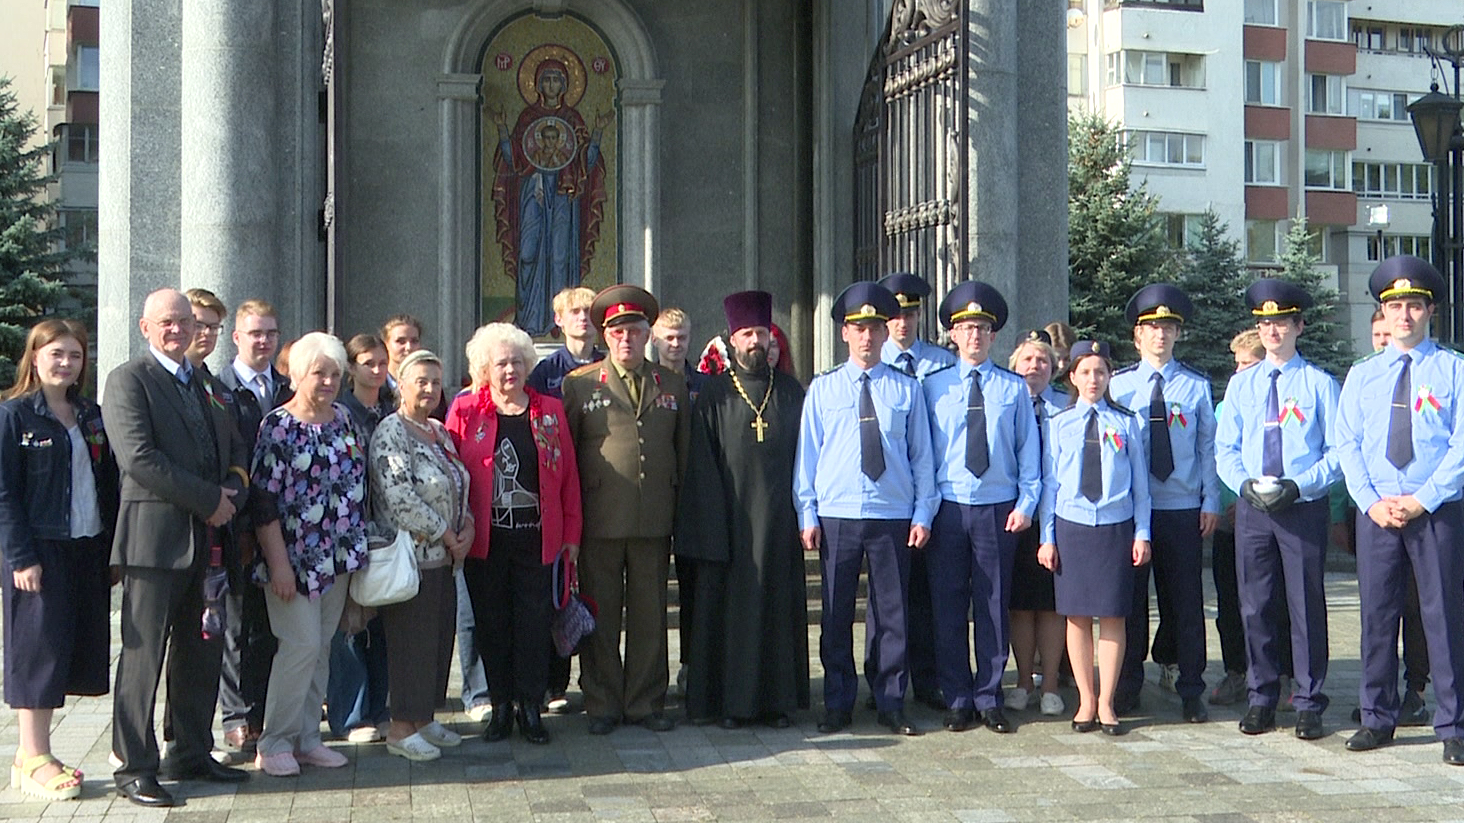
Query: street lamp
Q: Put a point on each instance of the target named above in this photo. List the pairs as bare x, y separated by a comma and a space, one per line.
1441, 138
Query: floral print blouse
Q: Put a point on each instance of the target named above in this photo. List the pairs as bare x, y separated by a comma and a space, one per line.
312, 478
417, 486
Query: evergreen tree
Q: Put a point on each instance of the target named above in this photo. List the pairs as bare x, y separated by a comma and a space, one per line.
1115, 241
1322, 341
1215, 279
31, 257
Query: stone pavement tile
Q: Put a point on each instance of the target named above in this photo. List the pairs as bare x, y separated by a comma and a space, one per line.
681, 814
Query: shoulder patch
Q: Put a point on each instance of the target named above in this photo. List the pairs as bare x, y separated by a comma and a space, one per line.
1369, 356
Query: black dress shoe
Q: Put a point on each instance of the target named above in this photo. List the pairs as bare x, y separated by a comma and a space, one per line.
870, 704
1113, 729
731, 723
657, 722
602, 725
777, 720
1366, 739
1085, 726
205, 769
1195, 711
1309, 725
1413, 712
500, 724
959, 720
931, 699
834, 722
996, 720
896, 722
1454, 751
1259, 720
1126, 705
531, 725
145, 791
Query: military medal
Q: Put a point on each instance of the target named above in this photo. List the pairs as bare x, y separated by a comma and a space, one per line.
758, 424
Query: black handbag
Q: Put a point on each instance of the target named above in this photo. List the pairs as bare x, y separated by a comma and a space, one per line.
574, 613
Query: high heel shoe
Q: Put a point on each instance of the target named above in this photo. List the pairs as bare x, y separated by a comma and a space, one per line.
1085, 726
1112, 729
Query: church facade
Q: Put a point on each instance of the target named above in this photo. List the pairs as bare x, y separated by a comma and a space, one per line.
463, 160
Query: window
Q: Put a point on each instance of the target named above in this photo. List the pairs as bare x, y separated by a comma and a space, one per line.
1168, 148
1181, 231
1379, 105
1263, 162
1326, 19
1400, 181
1077, 75
1260, 12
1112, 68
79, 228
1262, 83
1262, 240
1367, 37
1156, 68
1326, 169
1326, 94
1420, 245
81, 142
88, 69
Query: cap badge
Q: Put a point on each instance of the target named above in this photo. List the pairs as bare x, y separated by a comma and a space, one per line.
1032, 335
1096, 348
1402, 283
1162, 311
867, 308
1270, 307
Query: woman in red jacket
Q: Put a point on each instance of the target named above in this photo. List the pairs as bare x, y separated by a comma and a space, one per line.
525, 495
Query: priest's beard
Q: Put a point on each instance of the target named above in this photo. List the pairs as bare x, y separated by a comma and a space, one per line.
755, 361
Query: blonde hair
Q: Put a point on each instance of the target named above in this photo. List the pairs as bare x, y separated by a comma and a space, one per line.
206, 300
489, 337
256, 308
574, 297
1047, 351
673, 318
1248, 341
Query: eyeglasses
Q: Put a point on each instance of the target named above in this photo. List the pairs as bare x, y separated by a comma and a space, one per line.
211, 328
971, 328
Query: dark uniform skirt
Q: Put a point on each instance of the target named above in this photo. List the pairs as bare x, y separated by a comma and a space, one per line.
1095, 573
57, 640
1032, 586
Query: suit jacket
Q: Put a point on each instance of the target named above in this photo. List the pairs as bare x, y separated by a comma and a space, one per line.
168, 487
244, 404
631, 459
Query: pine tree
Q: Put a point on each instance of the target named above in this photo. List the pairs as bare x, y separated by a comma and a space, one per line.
1115, 241
1214, 278
31, 257
1322, 341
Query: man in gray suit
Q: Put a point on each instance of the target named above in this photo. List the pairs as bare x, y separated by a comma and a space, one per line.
184, 475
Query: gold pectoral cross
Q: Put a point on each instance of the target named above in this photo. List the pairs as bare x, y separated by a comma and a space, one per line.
759, 425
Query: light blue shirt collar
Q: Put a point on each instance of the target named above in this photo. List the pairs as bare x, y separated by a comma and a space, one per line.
172, 365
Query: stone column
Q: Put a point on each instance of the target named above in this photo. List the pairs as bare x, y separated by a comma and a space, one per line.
230, 226
1041, 288
138, 248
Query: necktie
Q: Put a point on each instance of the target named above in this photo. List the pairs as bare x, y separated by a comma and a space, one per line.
907, 363
1090, 481
871, 451
1400, 419
977, 456
1161, 452
1271, 441
632, 386
261, 390
1038, 407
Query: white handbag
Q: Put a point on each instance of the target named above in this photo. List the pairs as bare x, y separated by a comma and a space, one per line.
390, 575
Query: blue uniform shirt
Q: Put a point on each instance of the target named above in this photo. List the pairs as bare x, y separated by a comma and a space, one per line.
1014, 471
827, 480
1360, 434
1053, 401
548, 376
1191, 419
927, 357
1307, 397
1125, 471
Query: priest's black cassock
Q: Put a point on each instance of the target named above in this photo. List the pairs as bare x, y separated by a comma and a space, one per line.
749, 655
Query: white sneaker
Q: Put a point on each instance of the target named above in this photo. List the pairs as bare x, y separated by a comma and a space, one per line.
1052, 704
1168, 675
1017, 699
440, 735
479, 712
415, 748
364, 734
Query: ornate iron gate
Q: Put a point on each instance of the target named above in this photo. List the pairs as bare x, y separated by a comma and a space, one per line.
910, 148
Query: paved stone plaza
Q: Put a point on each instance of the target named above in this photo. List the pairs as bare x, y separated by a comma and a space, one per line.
1162, 769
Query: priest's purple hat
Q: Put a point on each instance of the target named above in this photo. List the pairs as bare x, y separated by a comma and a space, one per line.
747, 309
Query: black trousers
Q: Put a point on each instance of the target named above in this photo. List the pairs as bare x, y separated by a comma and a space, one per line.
511, 609
249, 648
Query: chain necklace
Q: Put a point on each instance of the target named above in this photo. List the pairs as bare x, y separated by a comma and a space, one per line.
758, 424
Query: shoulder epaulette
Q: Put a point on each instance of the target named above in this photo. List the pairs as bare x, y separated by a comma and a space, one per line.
1002, 368
937, 371
1192, 370
1062, 411
1369, 356
1451, 350
1121, 409
829, 371
585, 369
1126, 369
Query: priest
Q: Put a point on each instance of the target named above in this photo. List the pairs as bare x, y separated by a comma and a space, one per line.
748, 662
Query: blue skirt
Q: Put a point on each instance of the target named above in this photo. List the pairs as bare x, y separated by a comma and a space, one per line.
57, 640
1095, 572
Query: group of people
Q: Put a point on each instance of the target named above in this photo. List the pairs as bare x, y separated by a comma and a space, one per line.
996, 517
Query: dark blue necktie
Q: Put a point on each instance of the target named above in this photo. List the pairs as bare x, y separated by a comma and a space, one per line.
1038, 407
1271, 460
977, 457
871, 452
1161, 451
1090, 480
907, 363
1400, 418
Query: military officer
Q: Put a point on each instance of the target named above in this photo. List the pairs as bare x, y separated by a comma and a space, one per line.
1271, 443
1399, 435
1177, 415
864, 487
989, 475
908, 352
631, 425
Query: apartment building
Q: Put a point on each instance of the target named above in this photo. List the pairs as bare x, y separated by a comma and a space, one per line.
1268, 109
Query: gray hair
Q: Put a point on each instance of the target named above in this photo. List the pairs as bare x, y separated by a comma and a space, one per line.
417, 358
313, 347
1047, 351
488, 338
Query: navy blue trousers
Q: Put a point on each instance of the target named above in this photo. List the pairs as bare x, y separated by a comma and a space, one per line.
1177, 567
846, 544
1283, 550
970, 559
1427, 549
